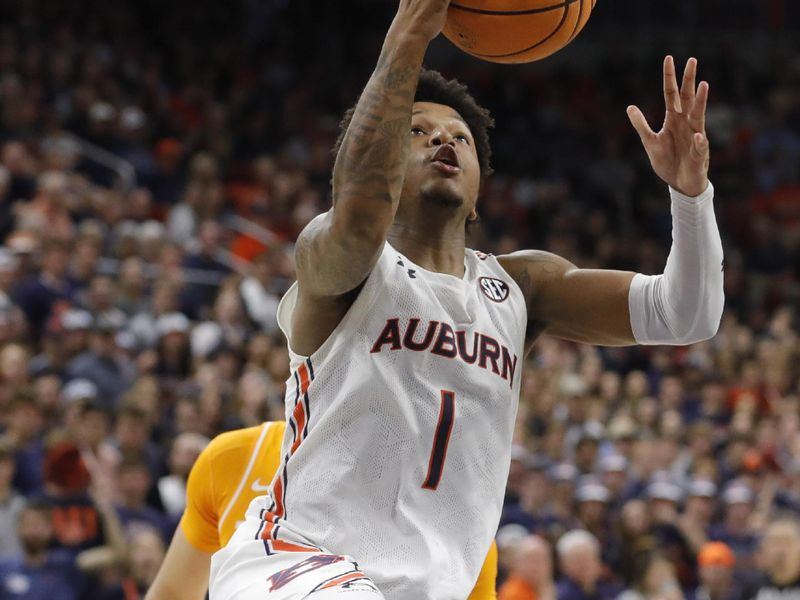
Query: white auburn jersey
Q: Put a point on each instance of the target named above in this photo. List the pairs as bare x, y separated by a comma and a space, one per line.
399, 431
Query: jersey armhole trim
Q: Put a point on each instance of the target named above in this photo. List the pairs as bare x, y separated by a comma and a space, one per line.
253, 457
348, 317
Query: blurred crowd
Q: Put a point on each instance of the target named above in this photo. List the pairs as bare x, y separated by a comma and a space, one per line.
157, 161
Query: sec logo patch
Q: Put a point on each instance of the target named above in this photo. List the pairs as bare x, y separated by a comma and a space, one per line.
494, 289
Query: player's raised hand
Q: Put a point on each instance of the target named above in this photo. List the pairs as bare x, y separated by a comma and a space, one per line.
679, 152
421, 17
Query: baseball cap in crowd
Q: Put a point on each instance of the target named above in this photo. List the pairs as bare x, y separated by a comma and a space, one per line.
174, 322
78, 389
613, 463
74, 319
592, 491
510, 534
132, 117
537, 462
520, 453
206, 338
592, 431
738, 493
109, 322
150, 230
664, 490
622, 427
716, 554
701, 488
572, 384
22, 242
564, 473
8, 262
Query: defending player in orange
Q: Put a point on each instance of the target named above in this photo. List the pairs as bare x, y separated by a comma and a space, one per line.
234, 468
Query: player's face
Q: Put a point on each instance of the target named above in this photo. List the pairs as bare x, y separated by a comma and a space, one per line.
443, 166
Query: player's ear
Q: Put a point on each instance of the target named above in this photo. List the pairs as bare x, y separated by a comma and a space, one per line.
473, 216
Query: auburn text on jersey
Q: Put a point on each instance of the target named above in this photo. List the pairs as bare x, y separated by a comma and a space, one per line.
442, 339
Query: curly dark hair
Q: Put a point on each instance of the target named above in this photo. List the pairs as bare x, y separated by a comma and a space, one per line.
433, 87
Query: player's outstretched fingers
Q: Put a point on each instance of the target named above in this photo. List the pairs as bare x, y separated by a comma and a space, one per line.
687, 85
697, 116
672, 97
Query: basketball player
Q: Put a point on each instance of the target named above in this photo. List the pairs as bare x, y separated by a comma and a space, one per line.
232, 470
406, 348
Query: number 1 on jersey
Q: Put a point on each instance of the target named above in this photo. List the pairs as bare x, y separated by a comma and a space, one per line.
441, 439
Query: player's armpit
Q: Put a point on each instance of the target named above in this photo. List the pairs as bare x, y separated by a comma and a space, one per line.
583, 305
183, 574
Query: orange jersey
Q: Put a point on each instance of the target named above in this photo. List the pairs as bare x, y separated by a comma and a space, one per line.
235, 467
238, 466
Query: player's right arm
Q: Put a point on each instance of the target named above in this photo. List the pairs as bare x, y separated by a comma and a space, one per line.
338, 249
184, 573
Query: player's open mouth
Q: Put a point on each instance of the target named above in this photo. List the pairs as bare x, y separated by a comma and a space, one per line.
445, 160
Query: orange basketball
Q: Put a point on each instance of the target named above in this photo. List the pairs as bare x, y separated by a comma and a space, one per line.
515, 31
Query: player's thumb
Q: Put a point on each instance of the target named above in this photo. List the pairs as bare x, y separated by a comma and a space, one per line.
700, 145
639, 123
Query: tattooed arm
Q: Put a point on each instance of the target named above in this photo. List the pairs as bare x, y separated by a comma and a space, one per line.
338, 249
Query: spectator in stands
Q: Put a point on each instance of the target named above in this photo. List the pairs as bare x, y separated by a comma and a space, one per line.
83, 515
582, 569
38, 572
698, 512
735, 529
259, 295
133, 483
591, 509
102, 363
24, 424
146, 555
206, 257
531, 571
132, 434
779, 576
11, 502
716, 563
653, 579
40, 294
172, 487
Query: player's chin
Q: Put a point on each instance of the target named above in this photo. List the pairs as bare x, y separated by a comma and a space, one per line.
443, 194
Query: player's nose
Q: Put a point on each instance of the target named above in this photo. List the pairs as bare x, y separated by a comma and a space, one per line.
441, 136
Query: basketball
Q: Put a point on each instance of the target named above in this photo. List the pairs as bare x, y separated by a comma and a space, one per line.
515, 31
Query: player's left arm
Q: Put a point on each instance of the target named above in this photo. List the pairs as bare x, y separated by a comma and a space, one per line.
684, 304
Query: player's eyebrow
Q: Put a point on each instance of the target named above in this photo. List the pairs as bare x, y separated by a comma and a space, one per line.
454, 115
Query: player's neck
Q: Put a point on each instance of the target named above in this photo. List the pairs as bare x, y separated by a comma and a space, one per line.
439, 252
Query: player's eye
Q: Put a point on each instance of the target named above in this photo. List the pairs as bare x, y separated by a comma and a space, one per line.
417, 131
462, 138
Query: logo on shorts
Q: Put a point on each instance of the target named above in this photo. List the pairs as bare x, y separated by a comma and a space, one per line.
494, 289
281, 578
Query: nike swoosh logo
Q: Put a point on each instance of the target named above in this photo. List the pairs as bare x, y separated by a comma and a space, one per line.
258, 486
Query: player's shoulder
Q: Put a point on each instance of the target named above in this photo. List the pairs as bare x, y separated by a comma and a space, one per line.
531, 268
525, 258
242, 440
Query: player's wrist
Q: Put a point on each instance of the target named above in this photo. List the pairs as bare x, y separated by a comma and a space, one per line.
405, 35
694, 195
693, 190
